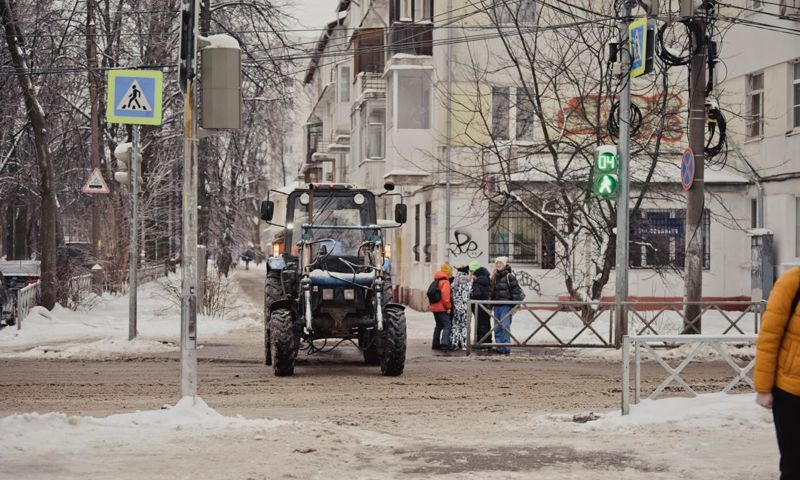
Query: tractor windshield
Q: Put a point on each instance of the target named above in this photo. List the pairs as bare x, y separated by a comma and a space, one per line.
334, 210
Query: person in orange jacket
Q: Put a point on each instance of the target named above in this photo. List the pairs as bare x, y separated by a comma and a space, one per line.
777, 371
441, 309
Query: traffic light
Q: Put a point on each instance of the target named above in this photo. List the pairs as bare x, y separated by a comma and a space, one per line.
123, 154
606, 166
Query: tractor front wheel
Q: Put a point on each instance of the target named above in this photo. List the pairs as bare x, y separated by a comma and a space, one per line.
368, 343
284, 343
393, 344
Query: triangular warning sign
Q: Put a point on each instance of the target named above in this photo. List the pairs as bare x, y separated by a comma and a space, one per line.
95, 183
134, 100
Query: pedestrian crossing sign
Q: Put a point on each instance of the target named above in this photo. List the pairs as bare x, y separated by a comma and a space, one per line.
134, 96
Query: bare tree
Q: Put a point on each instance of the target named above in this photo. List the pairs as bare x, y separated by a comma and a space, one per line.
535, 107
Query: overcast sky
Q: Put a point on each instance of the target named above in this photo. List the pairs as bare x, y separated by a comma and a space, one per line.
311, 13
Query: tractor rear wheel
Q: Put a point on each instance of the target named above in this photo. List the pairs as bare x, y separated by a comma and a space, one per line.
284, 343
393, 344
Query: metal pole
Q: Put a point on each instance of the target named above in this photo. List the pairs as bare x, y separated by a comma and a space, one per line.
448, 157
696, 196
626, 375
189, 244
134, 257
623, 204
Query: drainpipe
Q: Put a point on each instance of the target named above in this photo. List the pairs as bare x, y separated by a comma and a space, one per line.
756, 178
449, 127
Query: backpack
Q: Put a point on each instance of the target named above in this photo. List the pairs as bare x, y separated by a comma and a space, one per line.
434, 294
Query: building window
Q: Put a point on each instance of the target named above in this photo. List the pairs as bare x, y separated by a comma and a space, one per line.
501, 106
756, 4
343, 83
354, 127
516, 234
428, 231
658, 239
413, 99
512, 112
415, 248
755, 105
513, 12
376, 133
406, 10
753, 213
369, 51
423, 10
525, 116
410, 10
796, 95
797, 227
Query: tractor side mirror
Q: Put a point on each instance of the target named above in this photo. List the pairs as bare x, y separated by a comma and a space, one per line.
400, 213
267, 210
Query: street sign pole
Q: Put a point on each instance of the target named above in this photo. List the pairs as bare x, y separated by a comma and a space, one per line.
190, 174
134, 256
621, 271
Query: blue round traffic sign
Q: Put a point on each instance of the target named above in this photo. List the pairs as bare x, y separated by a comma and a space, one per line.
687, 168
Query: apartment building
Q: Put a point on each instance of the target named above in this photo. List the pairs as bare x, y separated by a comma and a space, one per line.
399, 98
761, 89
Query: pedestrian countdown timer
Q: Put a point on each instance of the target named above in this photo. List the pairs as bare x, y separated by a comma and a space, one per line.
606, 165
134, 96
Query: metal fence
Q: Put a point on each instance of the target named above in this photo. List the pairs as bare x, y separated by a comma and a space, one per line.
79, 289
674, 374
594, 324
726, 317
27, 298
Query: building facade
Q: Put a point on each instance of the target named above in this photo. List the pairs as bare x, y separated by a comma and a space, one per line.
411, 93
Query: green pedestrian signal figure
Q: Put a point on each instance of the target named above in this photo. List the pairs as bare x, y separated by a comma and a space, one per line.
606, 185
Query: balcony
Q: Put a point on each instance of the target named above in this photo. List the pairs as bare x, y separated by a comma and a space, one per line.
411, 38
371, 82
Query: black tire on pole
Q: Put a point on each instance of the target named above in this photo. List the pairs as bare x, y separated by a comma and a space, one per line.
393, 342
284, 343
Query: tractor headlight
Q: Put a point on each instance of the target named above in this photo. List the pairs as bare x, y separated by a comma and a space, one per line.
327, 294
349, 294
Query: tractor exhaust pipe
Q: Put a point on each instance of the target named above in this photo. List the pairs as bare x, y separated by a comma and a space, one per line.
379, 304
307, 295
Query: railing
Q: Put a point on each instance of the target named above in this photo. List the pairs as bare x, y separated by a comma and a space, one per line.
540, 324
79, 288
594, 324
719, 318
411, 38
27, 298
372, 82
674, 374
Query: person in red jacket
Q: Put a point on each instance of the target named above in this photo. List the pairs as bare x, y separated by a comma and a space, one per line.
441, 309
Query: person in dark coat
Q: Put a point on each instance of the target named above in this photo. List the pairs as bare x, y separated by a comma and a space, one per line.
481, 290
504, 286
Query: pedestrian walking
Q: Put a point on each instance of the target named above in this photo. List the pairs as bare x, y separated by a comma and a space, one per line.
504, 286
481, 290
777, 371
439, 297
462, 290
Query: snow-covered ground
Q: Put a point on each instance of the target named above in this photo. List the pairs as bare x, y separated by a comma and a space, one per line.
102, 330
711, 436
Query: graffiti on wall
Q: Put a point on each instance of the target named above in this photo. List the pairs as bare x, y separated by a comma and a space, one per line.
527, 281
463, 244
583, 116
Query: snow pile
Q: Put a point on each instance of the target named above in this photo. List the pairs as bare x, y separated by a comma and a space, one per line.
34, 432
102, 331
712, 411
